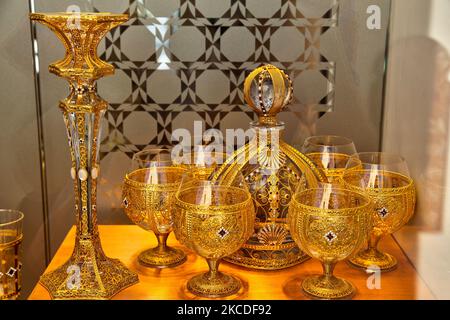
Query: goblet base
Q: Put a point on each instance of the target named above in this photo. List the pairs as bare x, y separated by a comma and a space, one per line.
371, 257
167, 258
323, 287
88, 274
218, 286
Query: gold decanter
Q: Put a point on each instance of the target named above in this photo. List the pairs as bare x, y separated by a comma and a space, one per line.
272, 170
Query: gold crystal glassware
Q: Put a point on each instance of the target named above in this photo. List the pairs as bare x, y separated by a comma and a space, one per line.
88, 273
148, 198
330, 224
385, 179
11, 222
329, 153
214, 221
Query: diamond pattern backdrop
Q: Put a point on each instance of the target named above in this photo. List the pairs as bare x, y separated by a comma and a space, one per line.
179, 61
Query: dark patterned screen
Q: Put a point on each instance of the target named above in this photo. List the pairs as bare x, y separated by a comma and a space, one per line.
180, 61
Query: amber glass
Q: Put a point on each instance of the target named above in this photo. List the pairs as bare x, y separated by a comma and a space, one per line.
214, 220
329, 224
201, 161
10, 250
329, 153
148, 198
385, 179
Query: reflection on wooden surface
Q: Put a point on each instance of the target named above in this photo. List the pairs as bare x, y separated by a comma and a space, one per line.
126, 241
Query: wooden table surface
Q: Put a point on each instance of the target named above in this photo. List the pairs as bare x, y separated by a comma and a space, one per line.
127, 241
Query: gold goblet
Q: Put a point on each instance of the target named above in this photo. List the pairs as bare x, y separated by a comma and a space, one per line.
148, 198
201, 163
214, 221
329, 153
11, 223
329, 224
385, 179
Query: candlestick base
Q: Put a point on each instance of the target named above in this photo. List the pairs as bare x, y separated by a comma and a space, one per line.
88, 274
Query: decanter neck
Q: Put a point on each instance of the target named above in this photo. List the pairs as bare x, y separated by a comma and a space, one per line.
268, 121
272, 133
266, 126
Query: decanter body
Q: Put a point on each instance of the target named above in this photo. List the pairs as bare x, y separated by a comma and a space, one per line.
272, 170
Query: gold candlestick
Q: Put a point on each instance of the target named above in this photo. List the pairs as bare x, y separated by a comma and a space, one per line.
88, 274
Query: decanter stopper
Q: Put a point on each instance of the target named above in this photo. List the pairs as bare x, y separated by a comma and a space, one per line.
268, 90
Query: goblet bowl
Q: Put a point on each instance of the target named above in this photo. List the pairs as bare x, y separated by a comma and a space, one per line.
329, 224
214, 221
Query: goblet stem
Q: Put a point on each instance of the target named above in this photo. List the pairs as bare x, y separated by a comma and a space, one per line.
162, 256
214, 284
162, 241
372, 257
213, 265
327, 286
328, 268
374, 239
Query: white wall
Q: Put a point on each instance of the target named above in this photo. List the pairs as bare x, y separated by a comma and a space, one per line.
19, 159
417, 125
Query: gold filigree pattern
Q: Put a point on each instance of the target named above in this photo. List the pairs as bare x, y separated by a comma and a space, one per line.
393, 206
213, 230
328, 288
310, 227
10, 265
330, 234
272, 235
394, 198
150, 206
271, 194
88, 274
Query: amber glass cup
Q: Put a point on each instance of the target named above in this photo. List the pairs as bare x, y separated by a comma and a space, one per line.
10, 250
385, 178
329, 224
148, 199
329, 153
214, 221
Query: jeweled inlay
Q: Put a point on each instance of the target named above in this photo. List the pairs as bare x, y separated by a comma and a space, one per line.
383, 212
11, 272
94, 173
82, 174
330, 236
73, 173
222, 233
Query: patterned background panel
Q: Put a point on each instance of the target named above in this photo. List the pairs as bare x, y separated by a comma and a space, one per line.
188, 60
